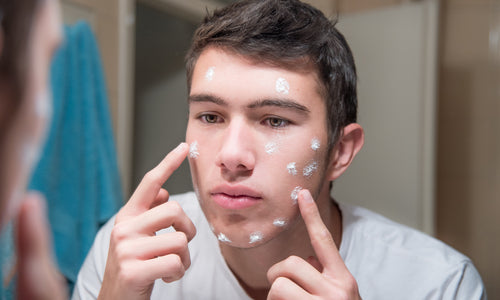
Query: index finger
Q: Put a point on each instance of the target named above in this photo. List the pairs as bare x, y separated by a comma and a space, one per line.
321, 238
151, 183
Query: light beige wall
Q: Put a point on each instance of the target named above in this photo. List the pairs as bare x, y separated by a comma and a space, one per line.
468, 154
468, 193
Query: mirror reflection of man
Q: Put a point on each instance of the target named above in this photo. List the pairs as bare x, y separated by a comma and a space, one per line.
272, 122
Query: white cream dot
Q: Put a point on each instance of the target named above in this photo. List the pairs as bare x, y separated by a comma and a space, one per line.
295, 194
310, 169
193, 150
315, 144
282, 86
223, 238
292, 168
255, 237
209, 75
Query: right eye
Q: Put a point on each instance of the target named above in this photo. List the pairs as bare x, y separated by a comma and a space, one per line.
210, 118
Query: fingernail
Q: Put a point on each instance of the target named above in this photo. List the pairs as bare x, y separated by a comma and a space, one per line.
180, 147
307, 196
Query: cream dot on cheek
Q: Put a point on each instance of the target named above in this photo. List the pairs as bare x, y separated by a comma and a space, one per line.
193, 150
310, 169
295, 194
271, 147
315, 144
279, 222
292, 168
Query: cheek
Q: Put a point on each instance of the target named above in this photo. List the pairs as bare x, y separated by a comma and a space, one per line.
301, 168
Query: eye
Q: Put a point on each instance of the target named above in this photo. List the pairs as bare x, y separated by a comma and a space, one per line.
210, 118
276, 122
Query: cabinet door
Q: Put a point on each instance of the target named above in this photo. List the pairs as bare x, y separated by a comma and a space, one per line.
395, 50
113, 24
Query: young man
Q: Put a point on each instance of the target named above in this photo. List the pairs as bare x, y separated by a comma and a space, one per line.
272, 100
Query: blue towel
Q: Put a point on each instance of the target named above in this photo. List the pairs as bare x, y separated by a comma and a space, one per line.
78, 171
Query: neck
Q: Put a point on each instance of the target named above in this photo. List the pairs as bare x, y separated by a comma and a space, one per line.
250, 265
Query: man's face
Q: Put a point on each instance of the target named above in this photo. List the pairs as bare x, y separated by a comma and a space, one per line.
258, 135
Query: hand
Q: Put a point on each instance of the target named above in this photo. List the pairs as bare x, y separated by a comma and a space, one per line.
324, 278
37, 276
137, 256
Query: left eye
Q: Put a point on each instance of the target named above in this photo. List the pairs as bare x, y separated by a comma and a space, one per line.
276, 122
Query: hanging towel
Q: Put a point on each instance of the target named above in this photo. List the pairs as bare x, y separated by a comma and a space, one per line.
78, 171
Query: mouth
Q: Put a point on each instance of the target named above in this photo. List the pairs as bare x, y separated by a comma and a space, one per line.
235, 197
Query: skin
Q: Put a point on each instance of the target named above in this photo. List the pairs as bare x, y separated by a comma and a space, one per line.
37, 277
232, 125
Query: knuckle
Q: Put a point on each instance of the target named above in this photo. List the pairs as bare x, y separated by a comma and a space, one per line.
119, 233
291, 261
277, 288
181, 239
174, 207
152, 177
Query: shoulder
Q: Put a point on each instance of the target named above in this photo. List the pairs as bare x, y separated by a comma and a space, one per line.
373, 245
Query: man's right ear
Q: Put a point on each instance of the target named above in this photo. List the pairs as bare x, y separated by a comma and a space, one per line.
349, 144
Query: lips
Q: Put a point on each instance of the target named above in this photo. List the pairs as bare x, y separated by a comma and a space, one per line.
235, 197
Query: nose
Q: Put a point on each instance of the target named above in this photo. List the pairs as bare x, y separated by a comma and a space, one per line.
236, 155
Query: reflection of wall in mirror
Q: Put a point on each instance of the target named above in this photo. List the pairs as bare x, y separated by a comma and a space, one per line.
395, 49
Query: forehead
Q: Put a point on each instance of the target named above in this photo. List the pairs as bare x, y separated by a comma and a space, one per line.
225, 71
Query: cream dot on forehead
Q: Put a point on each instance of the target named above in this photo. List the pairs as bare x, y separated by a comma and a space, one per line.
193, 150
209, 75
315, 144
255, 237
282, 86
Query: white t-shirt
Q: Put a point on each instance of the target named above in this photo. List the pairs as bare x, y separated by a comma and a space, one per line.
388, 261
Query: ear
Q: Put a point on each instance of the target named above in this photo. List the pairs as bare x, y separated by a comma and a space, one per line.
349, 144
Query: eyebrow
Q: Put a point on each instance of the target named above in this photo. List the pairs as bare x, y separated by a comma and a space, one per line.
280, 103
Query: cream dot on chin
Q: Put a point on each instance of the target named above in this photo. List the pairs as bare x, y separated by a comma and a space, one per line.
256, 237
223, 238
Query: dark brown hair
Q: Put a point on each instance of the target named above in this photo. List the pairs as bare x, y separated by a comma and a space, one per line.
289, 34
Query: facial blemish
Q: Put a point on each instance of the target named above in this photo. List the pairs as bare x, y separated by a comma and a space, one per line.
271, 147
282, 86
255, 237
209, 75
279, 222
315, 144
193, 150
223, 238
295, 194
310, 169
292, 168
